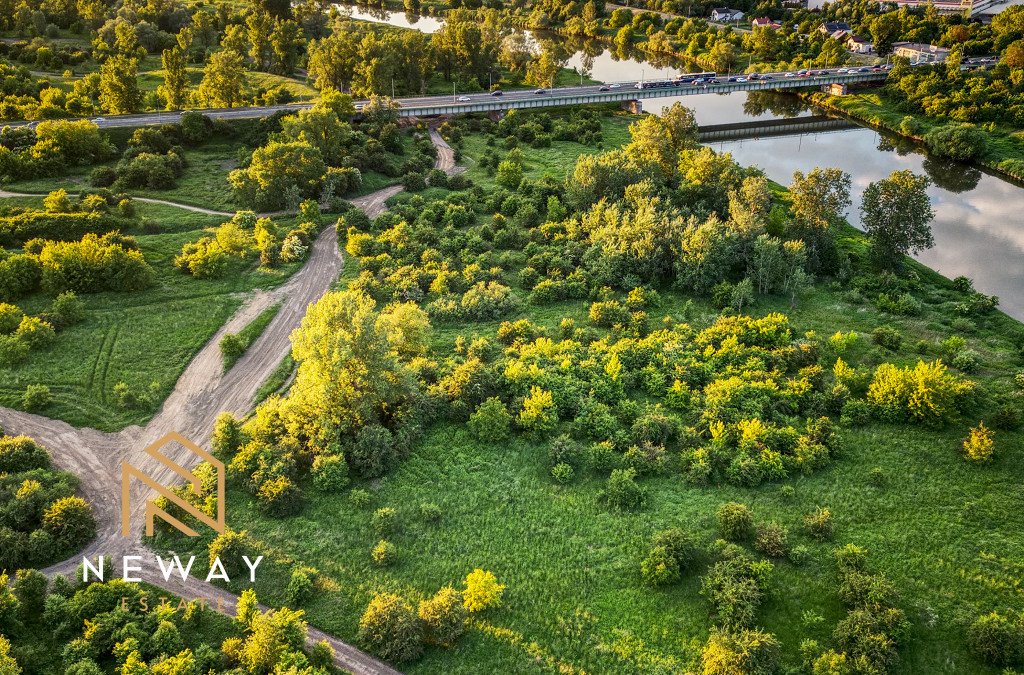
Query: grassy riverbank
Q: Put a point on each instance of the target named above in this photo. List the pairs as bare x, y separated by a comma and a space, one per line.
1005, 147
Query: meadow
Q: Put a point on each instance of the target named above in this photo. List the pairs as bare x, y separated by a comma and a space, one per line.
944, 531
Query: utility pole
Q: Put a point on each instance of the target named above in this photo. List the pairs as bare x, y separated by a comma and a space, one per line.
392, 88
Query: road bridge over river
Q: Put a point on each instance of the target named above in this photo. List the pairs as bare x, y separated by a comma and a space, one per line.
616, 92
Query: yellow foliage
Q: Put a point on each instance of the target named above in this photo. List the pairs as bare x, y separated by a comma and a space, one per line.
980, 445
482, 591
925, 393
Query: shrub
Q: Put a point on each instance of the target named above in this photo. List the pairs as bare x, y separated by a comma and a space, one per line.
491, 421
300, 586
659, 567
962, 142
232, 347
772, 540
35, 332
735, 521
1007, 417
373, 451
279, 496
359, 498
819, 524
799, 555
67, 309
391, 629
967, 361
926, 393
482, 591
443, 617
330, 473
384, 553
36, 397
539, 414
430, 512
887, 337
751, 652
12, 350
384, 521
94, 264
414, 181
997, 639
10, 318
622, 492
70, 521
562, 473
979, 446
735, 588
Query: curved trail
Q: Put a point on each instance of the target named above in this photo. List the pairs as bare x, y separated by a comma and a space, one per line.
150, 200
202, 392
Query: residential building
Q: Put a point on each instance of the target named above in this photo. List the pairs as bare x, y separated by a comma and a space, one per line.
859, 45
920, 53
836, 29
726, 15
765, 22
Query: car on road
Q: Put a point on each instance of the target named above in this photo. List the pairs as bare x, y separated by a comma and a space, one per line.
790, 75
841, 71
359, 106
464, 99
98, 119
767, 77
741, 79
497, 92
614, 86
604, 89
540, 91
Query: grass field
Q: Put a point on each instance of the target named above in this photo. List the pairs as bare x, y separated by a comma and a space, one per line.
251, 333
946, 532
144, 339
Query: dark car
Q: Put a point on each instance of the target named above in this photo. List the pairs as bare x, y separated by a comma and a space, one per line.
604, 89
496, 92
541, 91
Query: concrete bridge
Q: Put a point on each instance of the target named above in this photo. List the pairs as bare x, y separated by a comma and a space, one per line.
616, 92
778, 127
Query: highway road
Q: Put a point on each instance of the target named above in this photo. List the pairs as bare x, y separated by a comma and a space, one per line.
575, 95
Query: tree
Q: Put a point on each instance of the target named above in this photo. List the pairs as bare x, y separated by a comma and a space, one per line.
332, 62
276, 169
391, 628
818, 199
510, 174
482, 591
681, 125
119, 87
175, 87
1013, 56
223, 80
286, 43
897, 215
885, 30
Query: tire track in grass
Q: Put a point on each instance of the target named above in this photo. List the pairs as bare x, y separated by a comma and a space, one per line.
91, 385
109, 349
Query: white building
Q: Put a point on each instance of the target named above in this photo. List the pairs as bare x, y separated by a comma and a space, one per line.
726, 15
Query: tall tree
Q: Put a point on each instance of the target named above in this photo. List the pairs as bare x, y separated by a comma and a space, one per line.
897, 215
119, 87
223, 80
175, 86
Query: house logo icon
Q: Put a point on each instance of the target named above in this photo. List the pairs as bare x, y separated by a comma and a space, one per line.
128, 472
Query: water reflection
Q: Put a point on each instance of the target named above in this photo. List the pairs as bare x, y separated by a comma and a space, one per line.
978, 228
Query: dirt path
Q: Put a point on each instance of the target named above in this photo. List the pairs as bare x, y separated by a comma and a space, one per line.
201, 393
149, 200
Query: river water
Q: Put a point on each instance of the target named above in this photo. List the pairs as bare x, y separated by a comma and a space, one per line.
979, 218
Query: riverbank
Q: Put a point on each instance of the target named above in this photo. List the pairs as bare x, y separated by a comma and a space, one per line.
1004, 150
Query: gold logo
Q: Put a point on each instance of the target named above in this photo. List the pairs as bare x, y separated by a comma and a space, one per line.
152, 510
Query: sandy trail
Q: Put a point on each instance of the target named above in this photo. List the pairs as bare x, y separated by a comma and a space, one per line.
202, 392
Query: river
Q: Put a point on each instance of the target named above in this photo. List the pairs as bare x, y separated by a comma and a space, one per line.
978, 227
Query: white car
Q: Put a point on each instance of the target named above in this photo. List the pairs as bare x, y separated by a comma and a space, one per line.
464, 99
99, 119
614, 86
790, 74
843, 70
741, 79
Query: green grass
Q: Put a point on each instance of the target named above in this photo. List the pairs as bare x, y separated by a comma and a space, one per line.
144, 339
555, 161
204, 182
277, 380
251, 333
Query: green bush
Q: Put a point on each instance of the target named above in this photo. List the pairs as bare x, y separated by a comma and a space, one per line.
997, 639
385, 521
330, 473
36, 397
622, 492
391, 629
491, 422
962, 142
232, 348
751, 652
735, 521
443, 617
887, 337
300, 586
772, 540
819, 524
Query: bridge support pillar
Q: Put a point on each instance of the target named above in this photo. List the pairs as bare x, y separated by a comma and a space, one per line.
835, 89
635, 106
